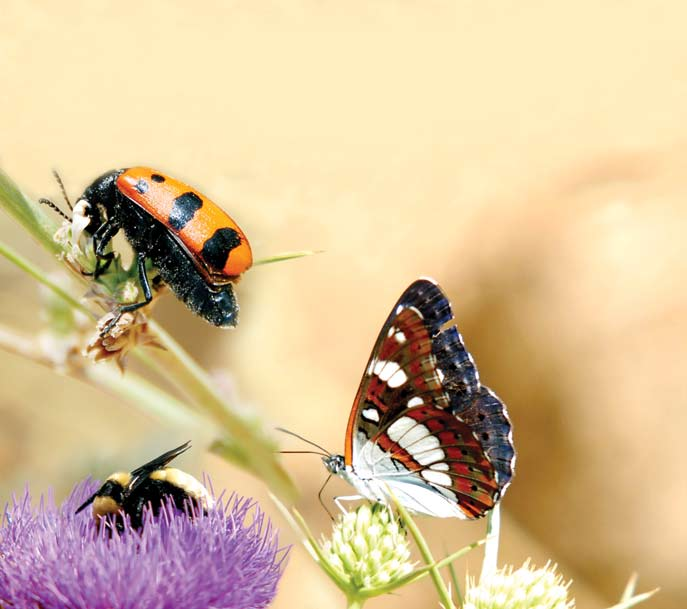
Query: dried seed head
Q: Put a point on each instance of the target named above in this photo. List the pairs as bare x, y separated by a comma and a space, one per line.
129, 331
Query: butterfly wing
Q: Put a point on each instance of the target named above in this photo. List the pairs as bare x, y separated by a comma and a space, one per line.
402, 369
420, 410
488, 418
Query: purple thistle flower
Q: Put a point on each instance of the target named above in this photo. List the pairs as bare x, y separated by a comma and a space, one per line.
51, 559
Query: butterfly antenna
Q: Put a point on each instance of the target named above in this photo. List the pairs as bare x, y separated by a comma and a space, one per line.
302, 452
63, 189
319, 496
325, 452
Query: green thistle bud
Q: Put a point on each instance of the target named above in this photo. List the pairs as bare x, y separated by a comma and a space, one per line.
368, 550
525, 588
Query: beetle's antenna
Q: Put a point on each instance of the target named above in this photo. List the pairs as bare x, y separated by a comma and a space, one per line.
51, 205
54, 207
63, 189
325, 452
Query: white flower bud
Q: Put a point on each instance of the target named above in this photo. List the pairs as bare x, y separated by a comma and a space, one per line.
525, 588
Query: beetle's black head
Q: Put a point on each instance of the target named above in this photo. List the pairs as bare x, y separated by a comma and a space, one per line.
103, 190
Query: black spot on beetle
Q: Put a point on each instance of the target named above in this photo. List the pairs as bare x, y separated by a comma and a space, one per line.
156, 177
142, 186
217, 248
485, 436
185, 206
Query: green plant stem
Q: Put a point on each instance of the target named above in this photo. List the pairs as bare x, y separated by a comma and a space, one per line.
444, 596
286, 256
40, 276
41, 226
444, 562
131, 387
629, 598
245, 444
187, 374
354, 603
136, 389
456, 585
635, 600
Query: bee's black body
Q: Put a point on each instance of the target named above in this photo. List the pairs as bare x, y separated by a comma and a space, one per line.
128, 494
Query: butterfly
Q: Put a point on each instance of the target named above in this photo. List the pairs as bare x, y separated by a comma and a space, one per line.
422, 424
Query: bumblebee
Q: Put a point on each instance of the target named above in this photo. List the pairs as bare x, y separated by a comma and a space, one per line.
128, 493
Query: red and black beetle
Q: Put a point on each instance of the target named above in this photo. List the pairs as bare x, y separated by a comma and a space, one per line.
198, 250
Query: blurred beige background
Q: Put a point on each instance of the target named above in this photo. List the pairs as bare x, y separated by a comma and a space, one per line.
528, 155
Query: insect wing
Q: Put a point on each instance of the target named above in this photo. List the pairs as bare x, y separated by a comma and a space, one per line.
421, 421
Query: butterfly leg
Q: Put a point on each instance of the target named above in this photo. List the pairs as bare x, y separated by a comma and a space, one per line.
338, 500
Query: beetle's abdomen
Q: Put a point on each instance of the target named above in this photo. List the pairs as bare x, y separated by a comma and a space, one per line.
206, 231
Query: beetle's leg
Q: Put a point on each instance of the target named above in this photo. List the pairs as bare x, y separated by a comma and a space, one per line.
107, 258
101, 238
147, 294
143, 279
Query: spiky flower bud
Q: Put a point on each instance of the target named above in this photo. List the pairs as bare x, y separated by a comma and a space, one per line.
368, 548
524, 588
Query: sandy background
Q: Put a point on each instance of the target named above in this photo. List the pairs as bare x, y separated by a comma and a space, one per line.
528, 155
